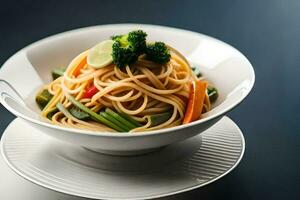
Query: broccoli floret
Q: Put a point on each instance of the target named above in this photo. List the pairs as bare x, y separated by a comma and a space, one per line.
137, 39
116, 37
123, 56
158, 52
134, 39
127, 48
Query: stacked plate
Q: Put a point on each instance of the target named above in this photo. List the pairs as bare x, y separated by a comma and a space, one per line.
77, 171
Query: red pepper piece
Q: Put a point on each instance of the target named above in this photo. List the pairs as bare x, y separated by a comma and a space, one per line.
90, 92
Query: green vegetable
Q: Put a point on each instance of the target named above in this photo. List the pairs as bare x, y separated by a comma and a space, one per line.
127, 48
212, 93
158, 52
116, 37
135, 40
51, 113
107, 123
62, 109
197, 72
123, 56
58, 72
121, 119
43, 98
160, 118
79, 114
130, 119
92, 114
114, 121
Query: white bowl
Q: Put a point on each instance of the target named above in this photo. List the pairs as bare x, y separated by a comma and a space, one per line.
227, 68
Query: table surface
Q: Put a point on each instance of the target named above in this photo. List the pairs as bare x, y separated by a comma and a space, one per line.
267, 32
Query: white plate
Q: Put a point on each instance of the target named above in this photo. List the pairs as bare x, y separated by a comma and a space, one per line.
14, 187
227, 68
77, 171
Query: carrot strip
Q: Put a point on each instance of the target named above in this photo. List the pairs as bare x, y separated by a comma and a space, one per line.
81, 64
196, 100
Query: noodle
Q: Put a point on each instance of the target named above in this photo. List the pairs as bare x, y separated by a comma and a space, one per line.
140, 91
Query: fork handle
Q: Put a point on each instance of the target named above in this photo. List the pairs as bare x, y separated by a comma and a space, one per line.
7, 90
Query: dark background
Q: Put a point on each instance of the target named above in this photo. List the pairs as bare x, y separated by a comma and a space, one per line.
266, 31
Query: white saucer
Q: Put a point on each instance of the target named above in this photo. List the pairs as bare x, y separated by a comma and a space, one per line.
14, 187
77, 171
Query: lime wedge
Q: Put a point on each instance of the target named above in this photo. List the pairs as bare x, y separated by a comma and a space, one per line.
100, 55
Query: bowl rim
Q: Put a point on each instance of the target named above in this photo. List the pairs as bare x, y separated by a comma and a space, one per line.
131, 134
